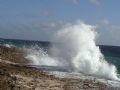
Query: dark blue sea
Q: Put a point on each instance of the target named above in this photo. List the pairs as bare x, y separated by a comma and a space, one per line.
111, 53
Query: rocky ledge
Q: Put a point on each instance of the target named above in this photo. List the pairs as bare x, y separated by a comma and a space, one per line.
15, 75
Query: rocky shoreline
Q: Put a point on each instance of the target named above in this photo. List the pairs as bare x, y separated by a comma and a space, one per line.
15, 75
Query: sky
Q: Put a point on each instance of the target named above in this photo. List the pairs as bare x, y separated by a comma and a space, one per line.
39, 19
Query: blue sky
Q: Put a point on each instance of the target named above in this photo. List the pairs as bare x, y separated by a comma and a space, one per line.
39, 19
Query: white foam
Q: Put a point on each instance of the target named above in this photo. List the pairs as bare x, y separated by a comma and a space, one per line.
77, 51
111, 83
39, 57
8, 45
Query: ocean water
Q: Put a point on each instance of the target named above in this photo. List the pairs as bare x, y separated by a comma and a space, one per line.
75, 50
111, 53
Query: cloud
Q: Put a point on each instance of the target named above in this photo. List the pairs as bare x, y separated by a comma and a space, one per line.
73, 1
32, 30
104, 22
95, 2
50, 25
109, 33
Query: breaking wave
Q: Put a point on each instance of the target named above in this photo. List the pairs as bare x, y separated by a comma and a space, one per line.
76, 51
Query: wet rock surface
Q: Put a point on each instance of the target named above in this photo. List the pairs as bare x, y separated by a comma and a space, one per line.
15, 75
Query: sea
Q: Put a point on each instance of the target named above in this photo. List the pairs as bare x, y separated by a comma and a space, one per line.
111, 53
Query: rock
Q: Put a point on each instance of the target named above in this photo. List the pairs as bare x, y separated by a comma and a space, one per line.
15, 75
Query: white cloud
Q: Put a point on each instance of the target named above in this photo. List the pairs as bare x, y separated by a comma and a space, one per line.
109, 33
95, 2
48, 25
104, 22
73, 1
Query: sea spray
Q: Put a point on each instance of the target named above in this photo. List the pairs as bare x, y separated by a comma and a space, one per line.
38, 56
76, 50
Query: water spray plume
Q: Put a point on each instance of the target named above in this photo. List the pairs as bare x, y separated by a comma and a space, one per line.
77, 51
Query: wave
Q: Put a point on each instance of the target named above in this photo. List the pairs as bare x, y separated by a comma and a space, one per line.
77, 52
8, 45
39, 57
